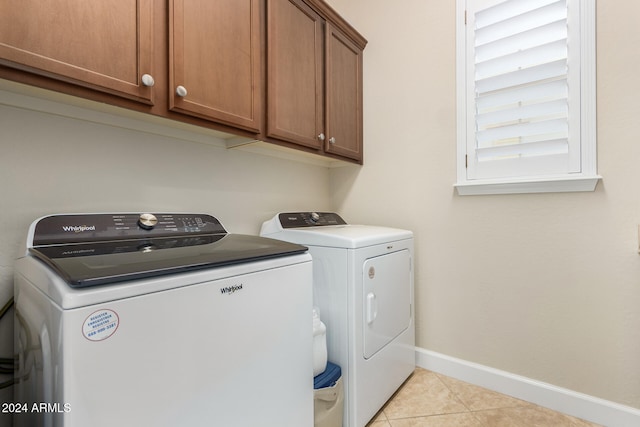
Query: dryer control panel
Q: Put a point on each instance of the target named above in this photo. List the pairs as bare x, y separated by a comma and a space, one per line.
309, 219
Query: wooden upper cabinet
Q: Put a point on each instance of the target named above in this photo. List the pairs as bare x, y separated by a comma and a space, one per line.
343, 95
283, 71
295, 73
215, 61
105, 45
314, 74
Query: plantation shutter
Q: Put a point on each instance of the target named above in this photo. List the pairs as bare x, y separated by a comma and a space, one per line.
523, 116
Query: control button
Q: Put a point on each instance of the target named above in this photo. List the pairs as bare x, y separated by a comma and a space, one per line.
315, 217
147, 221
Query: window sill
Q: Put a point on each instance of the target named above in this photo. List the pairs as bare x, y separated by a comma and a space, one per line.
543, 185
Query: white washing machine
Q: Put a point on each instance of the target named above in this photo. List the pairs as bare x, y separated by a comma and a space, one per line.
363, 285
161, 320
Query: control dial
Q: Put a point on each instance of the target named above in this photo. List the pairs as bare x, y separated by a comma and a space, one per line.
314, 217
147, 221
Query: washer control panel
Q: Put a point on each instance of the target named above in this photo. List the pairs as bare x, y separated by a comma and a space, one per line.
309, 219
84, 228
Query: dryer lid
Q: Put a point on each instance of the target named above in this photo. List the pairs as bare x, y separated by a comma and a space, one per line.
329, 230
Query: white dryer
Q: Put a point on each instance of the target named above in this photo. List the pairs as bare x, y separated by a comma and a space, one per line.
363, 285
161, 320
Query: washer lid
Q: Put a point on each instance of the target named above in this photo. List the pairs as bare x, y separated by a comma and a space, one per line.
97, 249
82, 265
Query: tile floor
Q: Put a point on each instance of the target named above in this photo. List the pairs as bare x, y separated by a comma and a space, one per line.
428, 399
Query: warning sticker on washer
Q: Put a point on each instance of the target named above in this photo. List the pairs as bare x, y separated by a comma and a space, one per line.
100, 325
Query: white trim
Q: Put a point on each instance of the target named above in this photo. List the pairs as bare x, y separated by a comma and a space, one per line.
533, 185
569, 402
588, 84
461, 91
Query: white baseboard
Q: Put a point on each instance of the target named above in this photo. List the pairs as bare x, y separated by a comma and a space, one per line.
593, 409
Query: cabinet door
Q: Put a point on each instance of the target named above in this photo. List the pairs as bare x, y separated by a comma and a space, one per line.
105, 45
295, 110
215, 61
343, 95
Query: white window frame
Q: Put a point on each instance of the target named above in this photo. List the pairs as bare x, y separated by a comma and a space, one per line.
585, 178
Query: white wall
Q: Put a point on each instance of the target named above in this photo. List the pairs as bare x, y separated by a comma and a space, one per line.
545, 286
55, 164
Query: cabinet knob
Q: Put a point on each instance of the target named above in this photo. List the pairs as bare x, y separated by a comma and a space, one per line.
321, 137
332, 140
181, 91
148, 80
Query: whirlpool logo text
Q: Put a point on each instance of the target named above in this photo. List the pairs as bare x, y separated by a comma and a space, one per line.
78, 228
230, 289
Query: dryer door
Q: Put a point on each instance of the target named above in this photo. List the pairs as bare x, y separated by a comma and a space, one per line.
387, 299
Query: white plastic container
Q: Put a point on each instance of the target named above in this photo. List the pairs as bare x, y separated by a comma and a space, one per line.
319, 344
328, 402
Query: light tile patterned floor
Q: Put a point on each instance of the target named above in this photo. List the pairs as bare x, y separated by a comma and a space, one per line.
428, 399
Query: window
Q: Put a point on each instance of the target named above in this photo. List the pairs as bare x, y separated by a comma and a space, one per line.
526, 96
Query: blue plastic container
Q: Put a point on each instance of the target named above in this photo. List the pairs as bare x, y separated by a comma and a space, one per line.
328, 378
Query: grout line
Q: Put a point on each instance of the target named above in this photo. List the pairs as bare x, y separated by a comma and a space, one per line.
456, 395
